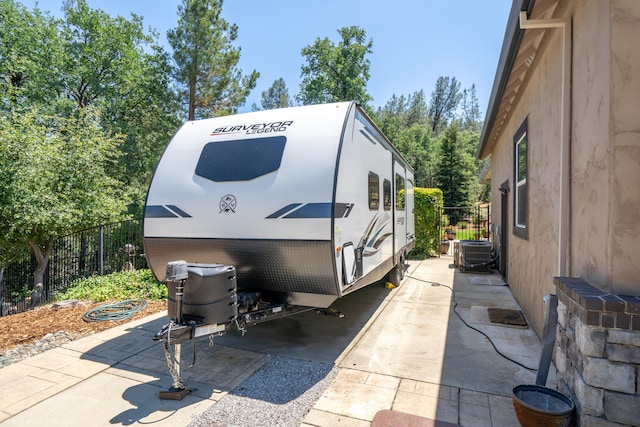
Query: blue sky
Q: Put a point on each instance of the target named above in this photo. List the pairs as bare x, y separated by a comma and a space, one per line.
414, 41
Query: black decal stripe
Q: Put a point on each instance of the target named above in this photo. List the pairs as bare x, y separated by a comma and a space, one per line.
158, 211
312, 210
342, 210
284, 210
178, 211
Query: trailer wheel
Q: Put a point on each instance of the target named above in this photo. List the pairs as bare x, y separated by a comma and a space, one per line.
396, 274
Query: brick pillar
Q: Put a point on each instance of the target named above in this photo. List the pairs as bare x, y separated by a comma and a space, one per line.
598, 353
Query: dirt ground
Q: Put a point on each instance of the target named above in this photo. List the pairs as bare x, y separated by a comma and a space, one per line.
30, 326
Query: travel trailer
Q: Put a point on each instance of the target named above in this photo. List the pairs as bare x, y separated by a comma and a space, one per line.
297, 206
307, 203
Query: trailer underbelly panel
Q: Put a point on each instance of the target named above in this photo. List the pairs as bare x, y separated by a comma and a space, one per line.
270, 265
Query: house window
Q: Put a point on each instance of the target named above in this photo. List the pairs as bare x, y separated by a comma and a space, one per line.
399, 192
521, 173
386, 195
374, 191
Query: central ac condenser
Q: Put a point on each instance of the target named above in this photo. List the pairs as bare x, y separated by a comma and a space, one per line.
475, 257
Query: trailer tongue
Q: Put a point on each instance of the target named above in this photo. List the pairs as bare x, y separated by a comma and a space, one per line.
204, 300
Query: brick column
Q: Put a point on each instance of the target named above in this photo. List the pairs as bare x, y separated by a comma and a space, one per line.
598, 353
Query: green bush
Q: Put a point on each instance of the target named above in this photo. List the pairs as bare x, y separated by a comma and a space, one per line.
428, 202
116, 286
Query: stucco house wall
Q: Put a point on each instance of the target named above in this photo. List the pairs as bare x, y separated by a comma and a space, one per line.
624, 246
532, 262
604, 238
591, 196
597, 352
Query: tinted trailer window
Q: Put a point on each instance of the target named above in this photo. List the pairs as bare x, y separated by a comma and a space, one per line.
240, 160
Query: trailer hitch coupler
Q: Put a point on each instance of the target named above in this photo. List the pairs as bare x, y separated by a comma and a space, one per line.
177, 272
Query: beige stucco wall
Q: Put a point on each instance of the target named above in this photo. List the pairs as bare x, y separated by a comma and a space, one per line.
605, 158
590, 154
624, 276
533, 262
606, 145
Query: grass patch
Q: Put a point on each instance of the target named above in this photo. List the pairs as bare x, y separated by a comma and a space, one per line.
116, 286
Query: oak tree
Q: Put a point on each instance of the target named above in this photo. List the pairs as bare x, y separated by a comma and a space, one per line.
337, 72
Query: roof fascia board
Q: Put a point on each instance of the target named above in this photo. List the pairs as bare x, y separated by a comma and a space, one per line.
512, 39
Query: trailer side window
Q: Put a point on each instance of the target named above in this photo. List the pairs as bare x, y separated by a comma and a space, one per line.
240, 160
399, 192
386, 195
374, 191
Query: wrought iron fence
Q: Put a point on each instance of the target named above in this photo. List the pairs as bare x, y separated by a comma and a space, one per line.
96, 251
466, 223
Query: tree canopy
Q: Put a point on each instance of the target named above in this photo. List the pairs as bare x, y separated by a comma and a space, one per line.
339, 72
206, 61
112, 64
277, 96
31, 55
455, 169
438, 138
54, 180
89, 58
87, 108
444, 101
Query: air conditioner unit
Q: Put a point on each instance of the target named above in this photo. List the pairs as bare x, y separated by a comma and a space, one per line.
475, 257
456, 251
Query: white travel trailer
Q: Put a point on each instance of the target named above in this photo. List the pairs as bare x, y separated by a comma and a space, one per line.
307, 203
261, 215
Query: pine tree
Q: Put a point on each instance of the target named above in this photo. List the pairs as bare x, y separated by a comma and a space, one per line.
277, 96
455, 169
206, 61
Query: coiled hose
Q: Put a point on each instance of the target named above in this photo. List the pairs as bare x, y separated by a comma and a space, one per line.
115, 311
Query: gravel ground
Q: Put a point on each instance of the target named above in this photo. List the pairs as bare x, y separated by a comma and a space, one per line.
25, 351
280, 394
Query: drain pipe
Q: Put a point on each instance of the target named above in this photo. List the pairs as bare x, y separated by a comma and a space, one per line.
564, 231
548, 338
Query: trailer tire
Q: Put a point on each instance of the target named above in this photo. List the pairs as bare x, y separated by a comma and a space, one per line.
395, 275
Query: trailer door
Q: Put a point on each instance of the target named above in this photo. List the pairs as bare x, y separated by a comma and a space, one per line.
410, 209
400, 210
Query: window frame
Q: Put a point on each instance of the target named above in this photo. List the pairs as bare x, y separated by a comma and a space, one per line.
521, 183
400, 186
374, 191
386, 194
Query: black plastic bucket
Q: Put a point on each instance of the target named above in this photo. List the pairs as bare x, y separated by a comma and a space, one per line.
538, 406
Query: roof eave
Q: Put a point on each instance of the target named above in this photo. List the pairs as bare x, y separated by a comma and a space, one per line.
510, 45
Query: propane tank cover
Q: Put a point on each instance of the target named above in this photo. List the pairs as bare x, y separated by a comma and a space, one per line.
176, 270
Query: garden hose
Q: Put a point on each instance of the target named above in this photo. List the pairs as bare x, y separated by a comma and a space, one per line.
115, 311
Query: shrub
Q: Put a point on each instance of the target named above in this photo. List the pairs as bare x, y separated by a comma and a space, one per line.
116, 286
428, 202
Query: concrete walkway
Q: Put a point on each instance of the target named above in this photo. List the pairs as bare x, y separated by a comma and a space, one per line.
417, 356
402, 349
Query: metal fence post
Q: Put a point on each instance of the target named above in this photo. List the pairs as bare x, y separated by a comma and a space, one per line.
77, 255
101, 249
